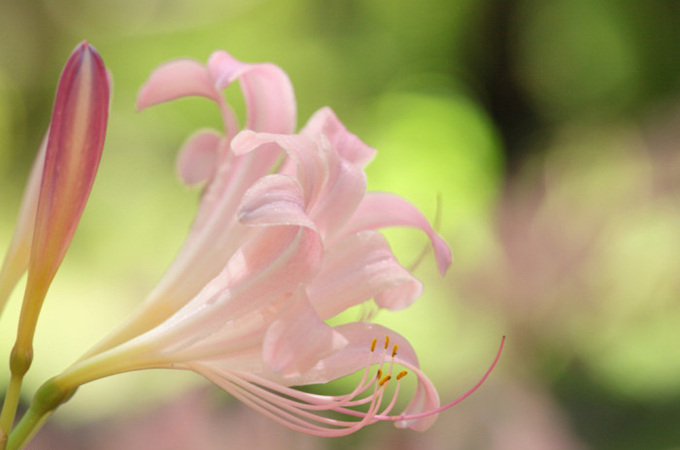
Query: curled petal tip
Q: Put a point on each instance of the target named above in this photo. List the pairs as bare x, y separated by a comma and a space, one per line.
176, 79
442, 254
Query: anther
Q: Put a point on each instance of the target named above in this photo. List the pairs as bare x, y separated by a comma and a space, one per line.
384, 380
402, 374
375, 341
378, 375
394, 350
387, 342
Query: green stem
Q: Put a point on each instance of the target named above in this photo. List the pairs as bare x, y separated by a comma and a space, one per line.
60, 388
29, 424
9, 407
19, 362
46, 400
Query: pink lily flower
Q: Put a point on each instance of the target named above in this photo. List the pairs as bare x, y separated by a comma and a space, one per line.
60, 181
285, 239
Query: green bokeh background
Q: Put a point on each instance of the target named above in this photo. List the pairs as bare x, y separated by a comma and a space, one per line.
549, 129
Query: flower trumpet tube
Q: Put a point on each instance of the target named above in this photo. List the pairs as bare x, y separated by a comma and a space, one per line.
286, 238
207, 158
72, 153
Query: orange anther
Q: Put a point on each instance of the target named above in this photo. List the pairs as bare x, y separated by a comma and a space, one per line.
402, 374
385, 379
394, 350
378, 375
387, 342
375, 341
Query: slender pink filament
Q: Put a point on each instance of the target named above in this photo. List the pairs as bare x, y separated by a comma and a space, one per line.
292, 416
450, 404
296, 409
303, 411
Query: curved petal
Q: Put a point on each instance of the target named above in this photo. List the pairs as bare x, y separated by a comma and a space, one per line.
312, 166
350, 147
402, 295
298, 338
425, 399
274, 200
379, 210
357, 269
342, 193
176, 79
261, 275
333, 186
267, 90
197, 160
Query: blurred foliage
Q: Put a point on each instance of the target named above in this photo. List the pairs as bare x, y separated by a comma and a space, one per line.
550, 130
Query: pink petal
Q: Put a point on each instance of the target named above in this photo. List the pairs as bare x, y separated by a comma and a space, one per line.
197, 160
425, 399
357, 269
274, 200
268, 92
400, 296
333, 187
265, 271
311, 164
298, 338
176, 79
235, 174
379, 210
344, 189
74, 148
238, 342
350, 147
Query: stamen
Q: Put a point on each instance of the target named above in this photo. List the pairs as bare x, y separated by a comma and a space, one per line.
303, 412
317, 414
387, 342
375, 341
394, 350
392, 402
384, 380
448, 405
